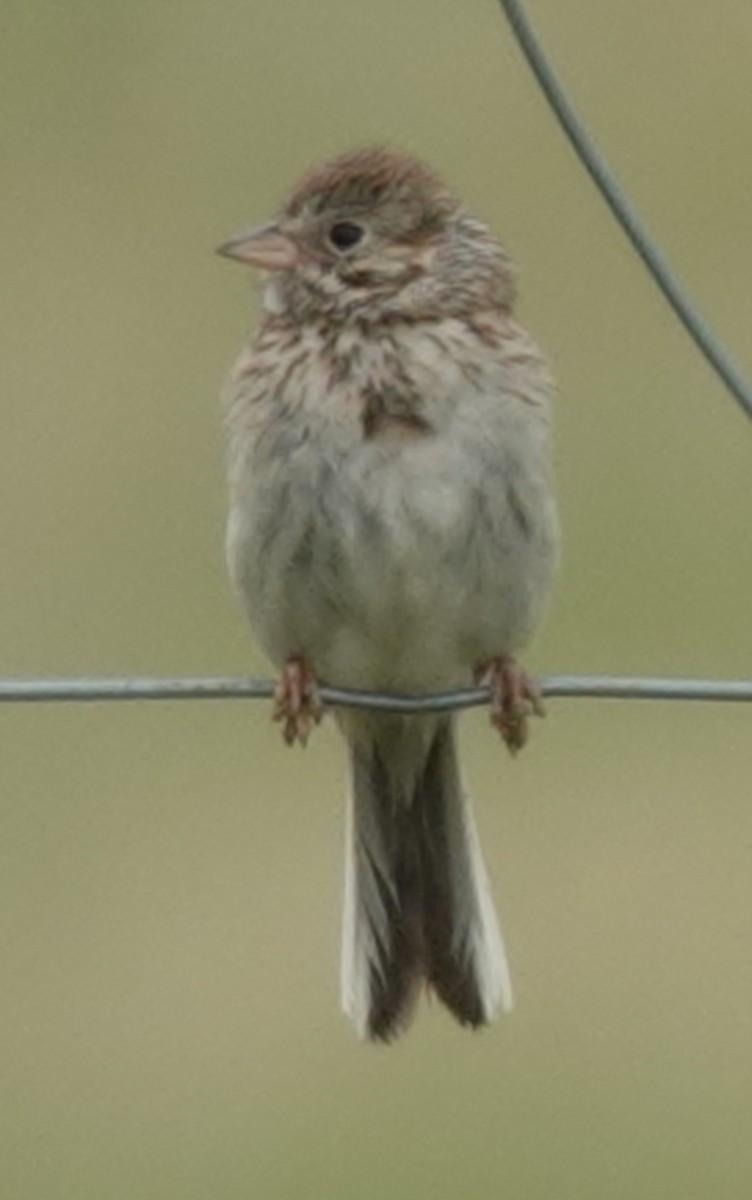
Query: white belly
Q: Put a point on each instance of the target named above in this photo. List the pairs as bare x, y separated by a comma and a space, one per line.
398, 562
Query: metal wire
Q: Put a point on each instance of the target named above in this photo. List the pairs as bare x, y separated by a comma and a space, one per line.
622, 208
604, 687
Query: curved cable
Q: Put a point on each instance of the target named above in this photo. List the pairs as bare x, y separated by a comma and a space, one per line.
624, 211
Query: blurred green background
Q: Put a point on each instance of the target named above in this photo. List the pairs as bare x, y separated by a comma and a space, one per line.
169, 874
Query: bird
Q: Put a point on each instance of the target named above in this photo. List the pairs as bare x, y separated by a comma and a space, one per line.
392, 526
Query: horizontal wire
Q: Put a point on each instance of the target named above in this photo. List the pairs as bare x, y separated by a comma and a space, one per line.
623, 210
603, 687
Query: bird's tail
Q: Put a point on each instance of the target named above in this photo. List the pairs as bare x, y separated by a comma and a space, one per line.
417, 902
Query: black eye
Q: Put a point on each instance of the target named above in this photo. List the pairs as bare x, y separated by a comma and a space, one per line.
345, 234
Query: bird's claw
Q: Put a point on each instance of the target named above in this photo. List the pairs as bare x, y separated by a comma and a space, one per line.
297, 704
515, 697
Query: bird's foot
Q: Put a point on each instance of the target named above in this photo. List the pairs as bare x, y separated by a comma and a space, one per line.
297, 704
515, 697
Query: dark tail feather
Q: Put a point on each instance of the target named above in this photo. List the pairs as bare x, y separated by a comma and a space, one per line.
417, 902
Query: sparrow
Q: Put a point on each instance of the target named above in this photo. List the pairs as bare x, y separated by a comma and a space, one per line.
392, 527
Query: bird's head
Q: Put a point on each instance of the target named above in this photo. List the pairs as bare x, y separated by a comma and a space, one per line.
375, 235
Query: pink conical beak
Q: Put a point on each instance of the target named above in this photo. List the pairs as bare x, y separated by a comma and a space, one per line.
263, 246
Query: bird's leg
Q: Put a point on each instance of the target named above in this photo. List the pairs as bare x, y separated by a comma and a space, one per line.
297, 704
514, 698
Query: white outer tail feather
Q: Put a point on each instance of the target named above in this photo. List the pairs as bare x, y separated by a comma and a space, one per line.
447, 832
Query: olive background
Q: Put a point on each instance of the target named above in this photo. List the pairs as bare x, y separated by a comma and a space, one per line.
170, 873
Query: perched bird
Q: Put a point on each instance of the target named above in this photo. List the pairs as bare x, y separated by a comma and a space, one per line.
392, 527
